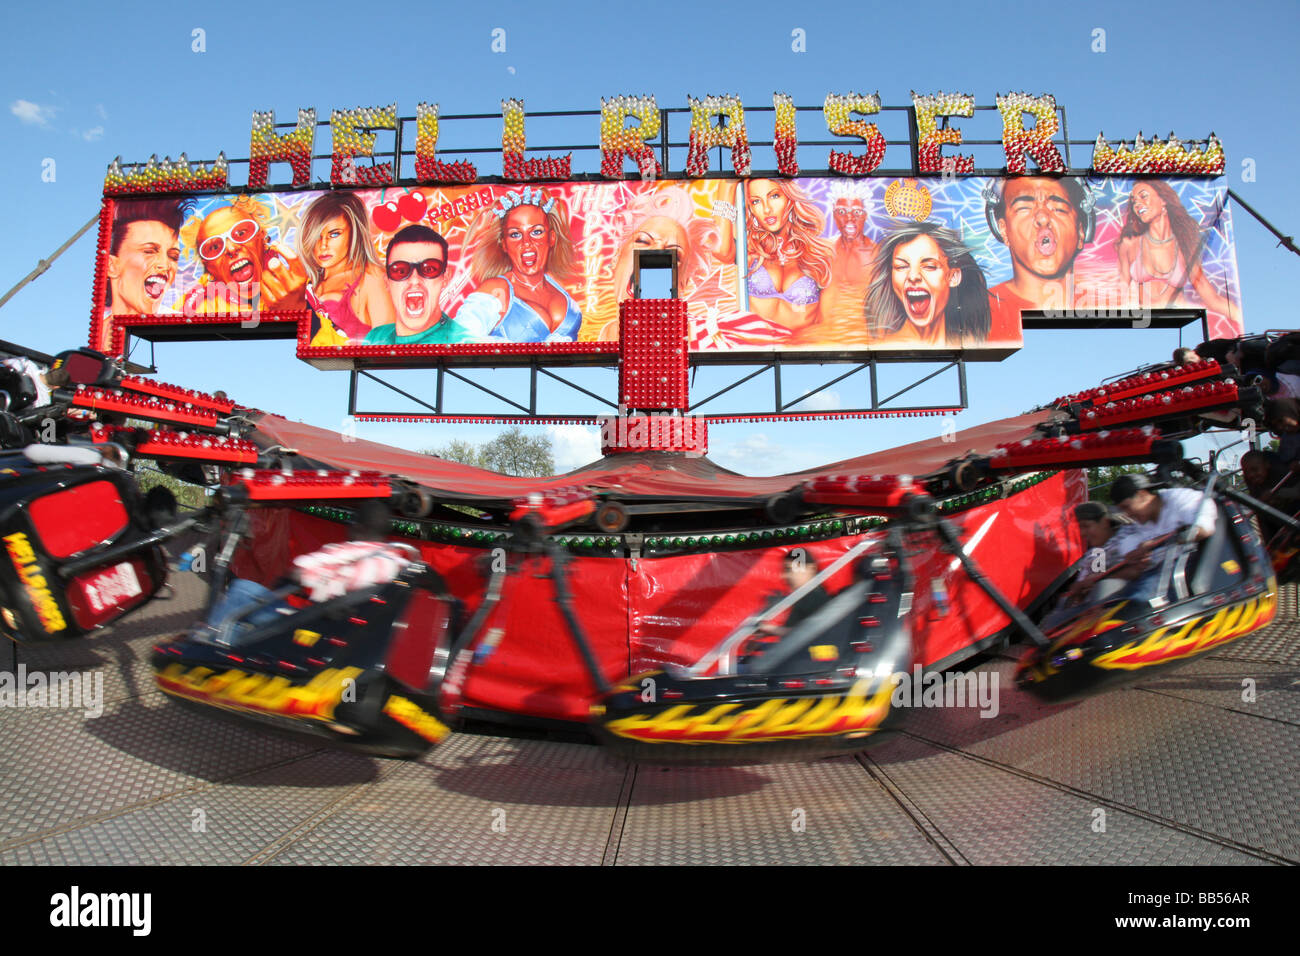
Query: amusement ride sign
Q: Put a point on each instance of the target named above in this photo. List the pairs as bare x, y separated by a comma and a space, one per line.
449, 266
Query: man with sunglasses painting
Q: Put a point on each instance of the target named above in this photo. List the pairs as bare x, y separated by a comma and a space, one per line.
245, 271
416, 268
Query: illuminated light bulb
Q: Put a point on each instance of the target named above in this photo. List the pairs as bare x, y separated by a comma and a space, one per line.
169, 175
348, 143
617, 140
838, 109
513, 143
295, 148
1017, 141
785, 139
704, 135
1162, 156
931, 138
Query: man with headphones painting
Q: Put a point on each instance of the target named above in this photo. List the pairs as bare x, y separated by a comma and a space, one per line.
1045, 221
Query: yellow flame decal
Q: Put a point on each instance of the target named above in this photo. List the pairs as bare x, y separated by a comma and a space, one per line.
1161, 646
770, 720
38, 592
238, 690
1094, 622
411, 715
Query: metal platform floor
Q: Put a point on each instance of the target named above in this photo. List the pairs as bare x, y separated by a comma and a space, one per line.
1176, 770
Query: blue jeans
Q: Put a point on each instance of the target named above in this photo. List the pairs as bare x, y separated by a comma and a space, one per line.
1143, 588
240, 595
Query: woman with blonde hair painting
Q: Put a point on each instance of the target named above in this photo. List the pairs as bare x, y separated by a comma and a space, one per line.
346, 286
787, 263
664, 219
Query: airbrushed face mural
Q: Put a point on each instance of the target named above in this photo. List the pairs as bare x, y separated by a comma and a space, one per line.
811, 264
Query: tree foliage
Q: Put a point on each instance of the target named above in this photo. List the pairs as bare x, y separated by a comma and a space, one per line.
465, 452
147, 475
1100, 479
513, 452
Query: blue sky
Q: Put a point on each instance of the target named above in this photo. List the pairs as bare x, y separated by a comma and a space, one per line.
83, 83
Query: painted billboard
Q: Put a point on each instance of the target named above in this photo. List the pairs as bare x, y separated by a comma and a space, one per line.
808, 265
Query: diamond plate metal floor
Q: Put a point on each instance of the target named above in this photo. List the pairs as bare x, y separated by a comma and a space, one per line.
1196, 767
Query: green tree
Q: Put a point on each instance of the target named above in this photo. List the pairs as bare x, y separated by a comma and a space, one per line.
1100, 479
513, 452
465, 452
147, 475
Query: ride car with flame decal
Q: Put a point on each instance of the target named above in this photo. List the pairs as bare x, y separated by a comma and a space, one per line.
1214, 592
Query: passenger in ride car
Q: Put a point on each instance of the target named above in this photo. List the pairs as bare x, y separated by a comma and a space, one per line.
1102, 530
27, 382
1157, 516
1273, 385
1282, 417
1263, 472
1221, 350
1283, 354
324, 571
1157, 512
799, 569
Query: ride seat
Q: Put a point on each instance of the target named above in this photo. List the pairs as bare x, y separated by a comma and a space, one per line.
791, 651
1206, 563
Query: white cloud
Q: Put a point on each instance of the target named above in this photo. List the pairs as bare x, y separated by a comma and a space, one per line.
756, 450
100, 111
758, 455
573, 445
91, 135
824, 401
32, 113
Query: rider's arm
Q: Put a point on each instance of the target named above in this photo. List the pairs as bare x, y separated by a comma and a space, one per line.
1205, 519
1191, 507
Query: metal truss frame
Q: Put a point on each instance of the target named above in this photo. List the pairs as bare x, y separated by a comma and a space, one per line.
527, 411
780, 406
